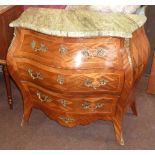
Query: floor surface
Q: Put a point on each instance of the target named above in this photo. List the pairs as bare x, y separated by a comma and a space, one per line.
43, 133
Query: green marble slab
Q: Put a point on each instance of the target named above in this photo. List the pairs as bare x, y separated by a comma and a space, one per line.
79, 23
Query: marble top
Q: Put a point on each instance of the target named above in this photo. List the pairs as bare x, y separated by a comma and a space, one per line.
79, 23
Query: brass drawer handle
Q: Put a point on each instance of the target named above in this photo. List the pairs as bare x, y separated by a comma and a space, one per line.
103, 82
67, 119
98, 52
42, 97
87, 106
42, 48
63, 50
96, 83
99, 105
60, 79
86, 53
33, 75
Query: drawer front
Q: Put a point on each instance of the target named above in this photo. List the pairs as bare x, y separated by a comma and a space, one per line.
72, 81
76, 104
75, 53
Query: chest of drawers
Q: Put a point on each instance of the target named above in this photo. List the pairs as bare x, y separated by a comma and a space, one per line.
76, 80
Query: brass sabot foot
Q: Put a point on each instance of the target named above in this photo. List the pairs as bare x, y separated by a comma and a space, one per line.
23, 123
122, 141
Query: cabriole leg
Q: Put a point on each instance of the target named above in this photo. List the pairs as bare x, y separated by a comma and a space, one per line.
26, 113
118, 131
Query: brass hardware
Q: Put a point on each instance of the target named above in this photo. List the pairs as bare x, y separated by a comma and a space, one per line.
60, 79
121, 140
63, 102
99, 52
67, 119
43, 98
63, 50
42, 48
88, 83
95, 84
127, 47
99, 105
22, 123
103, 82
85, 52
34, 76
85, 105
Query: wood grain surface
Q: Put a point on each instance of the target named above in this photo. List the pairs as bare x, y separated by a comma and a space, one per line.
100, 86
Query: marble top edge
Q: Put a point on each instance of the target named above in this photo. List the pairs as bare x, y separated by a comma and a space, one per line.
79, 23
77, 34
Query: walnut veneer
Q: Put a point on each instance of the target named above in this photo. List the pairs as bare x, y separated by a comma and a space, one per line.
78, 80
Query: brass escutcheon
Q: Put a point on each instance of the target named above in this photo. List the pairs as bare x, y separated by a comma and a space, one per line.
63, 50
63, 102
60, 79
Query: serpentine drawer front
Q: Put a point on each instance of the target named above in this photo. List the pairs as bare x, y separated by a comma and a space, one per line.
81, 69
84, 81
67, 53
44, 98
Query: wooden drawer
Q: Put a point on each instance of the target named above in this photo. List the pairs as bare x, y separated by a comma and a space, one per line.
71, 81
44, 98
71, 53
